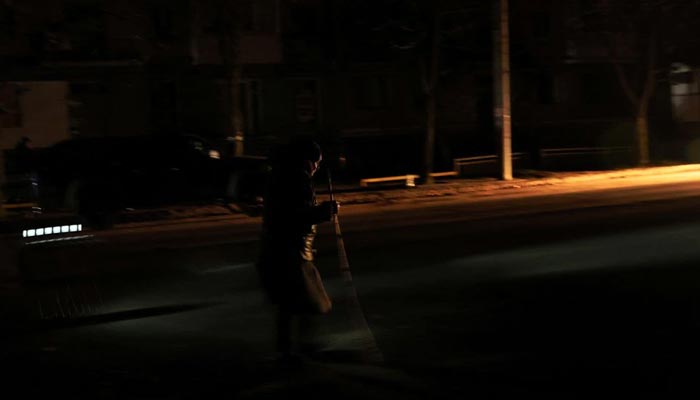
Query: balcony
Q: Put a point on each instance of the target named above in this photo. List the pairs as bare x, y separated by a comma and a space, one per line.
260, 48
597, 47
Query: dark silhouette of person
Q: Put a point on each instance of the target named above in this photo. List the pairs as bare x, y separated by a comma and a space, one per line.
286, 260
23, 156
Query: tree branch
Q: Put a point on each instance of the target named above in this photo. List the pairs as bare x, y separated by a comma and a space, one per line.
650, 79
624, 82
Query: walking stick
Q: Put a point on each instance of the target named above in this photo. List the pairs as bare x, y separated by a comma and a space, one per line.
371, 350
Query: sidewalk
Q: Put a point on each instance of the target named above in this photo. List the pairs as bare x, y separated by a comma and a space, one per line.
355, 195
454, 186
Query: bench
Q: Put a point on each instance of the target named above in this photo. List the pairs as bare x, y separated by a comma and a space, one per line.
481, 164
443, 174
573, 151
20, 206
409, 179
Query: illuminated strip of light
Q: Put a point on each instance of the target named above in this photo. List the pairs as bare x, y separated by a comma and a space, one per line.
49, 230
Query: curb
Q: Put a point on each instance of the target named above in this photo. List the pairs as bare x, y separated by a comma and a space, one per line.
360, 196
464, 186
180, 215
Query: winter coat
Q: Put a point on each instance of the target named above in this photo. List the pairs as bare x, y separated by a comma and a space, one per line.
289, 228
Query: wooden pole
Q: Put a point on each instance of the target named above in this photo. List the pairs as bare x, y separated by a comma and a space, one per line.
501, 78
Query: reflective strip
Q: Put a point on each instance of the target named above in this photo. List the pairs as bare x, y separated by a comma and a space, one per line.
52, 230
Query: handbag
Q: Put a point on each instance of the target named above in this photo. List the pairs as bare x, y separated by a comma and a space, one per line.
316, 293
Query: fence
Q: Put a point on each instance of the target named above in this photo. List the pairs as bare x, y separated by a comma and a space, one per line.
572, 158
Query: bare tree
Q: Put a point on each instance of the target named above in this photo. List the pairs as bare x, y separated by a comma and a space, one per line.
643, 36
428, 29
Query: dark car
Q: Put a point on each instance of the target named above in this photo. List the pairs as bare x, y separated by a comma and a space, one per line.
97, 177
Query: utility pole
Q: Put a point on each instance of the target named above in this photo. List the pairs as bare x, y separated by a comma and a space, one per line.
501, 82
229, 29
431, 83
237, 120
2, 181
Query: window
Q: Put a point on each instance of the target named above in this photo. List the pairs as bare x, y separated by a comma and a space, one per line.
260, 15
164, 105
303, 18
685, 77
87, 88
545, 88
306, 99
592, 89
542, 24
586, 15
8, 20
372, 92
162, 20
85, 28
10, 112
250, 106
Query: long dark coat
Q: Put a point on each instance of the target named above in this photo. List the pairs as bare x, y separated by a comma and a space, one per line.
289, 228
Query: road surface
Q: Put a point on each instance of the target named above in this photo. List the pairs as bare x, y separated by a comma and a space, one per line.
569, 291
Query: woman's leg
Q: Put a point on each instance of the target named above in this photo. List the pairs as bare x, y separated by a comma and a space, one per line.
308, 332
284, 331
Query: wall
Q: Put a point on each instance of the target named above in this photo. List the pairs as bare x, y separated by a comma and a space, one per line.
44, 115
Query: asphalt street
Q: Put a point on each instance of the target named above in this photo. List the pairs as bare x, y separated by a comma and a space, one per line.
571, 291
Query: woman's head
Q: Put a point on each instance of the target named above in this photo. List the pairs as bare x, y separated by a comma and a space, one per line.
304, 152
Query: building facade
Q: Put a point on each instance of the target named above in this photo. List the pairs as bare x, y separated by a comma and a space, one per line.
259, 71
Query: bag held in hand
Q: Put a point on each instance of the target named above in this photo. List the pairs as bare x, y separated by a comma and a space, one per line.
318, 298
